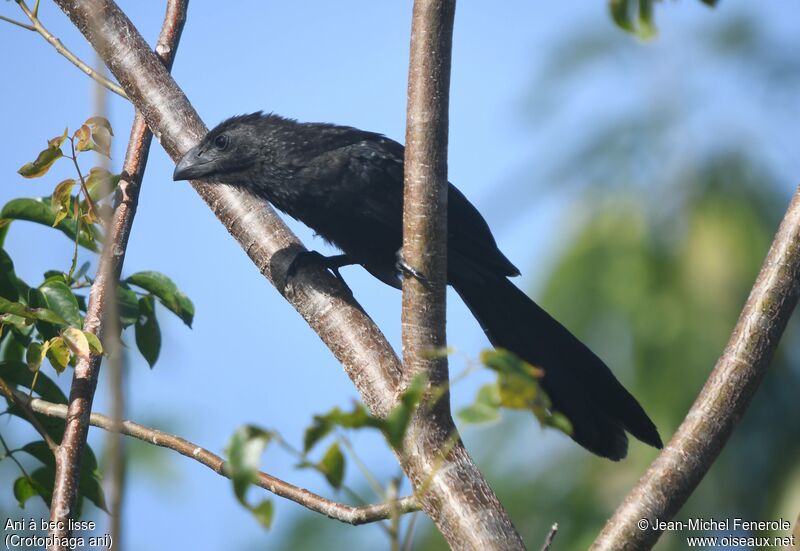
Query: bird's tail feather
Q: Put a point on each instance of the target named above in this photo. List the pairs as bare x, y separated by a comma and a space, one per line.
578, 383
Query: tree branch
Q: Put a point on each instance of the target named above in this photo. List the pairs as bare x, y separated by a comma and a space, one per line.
674, 475
101, 312
332, 509
457, 491
431, 430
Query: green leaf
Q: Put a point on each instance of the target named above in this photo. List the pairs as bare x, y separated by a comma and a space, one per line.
101, 138
397, 421
332, 465
322, 425
61, 200
90, 485
42, 164
244, 457
634, 16
99, 122
39, 211
485, 407
478, 414
91, 488
24, 489
58, 297
8, 279
18, 374
148, 333
58, 353
646, 28
40, 483
94, 343
58, 140
505, 361
558, 421
264, 512
128, 305
39, 450
101, 183
81, 271
620, 13
95, 134
517, 392
4, 225
84, 137
77, 342
35, 355
34, 314
167, 292
15, 343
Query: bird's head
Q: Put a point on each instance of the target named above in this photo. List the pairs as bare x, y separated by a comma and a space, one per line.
233, 151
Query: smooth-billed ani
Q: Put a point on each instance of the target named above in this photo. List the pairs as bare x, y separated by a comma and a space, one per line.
347, 185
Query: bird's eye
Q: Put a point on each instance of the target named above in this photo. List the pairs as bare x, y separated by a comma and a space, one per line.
221, 142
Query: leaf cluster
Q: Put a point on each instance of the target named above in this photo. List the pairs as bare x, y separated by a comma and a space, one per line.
45, 321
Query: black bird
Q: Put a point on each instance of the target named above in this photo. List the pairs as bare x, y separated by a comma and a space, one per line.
347, 185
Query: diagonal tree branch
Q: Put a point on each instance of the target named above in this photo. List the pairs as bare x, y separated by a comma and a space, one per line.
674, 475
101, 318
338, 511
457, 491
425, 252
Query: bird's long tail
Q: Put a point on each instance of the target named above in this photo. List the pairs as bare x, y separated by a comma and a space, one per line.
578, 383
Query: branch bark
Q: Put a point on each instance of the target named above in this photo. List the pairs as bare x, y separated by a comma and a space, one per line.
465, 509
101, 314
674, 475
479, 521
332, 509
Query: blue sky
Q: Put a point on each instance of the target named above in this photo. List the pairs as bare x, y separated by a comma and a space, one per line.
250, 358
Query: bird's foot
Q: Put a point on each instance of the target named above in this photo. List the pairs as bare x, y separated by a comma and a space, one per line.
409, 271
314, 258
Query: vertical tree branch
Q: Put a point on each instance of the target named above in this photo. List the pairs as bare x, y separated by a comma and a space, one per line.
425, 190
103, 293
478, 521
674, 475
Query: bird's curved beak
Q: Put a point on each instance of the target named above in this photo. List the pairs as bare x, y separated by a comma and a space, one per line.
193, 166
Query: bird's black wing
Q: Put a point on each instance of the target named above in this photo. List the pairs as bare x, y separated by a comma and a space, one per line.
364, 216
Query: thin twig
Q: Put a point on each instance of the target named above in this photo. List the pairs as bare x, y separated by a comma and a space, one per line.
84, 189
677, 471
102, 295
8, 392
38, 27
551, 535
332, 509
18, 23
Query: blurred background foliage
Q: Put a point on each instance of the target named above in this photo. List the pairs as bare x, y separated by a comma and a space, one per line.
670, 200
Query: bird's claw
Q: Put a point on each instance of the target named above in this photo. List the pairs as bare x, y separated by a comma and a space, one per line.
407, 270
311, 258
